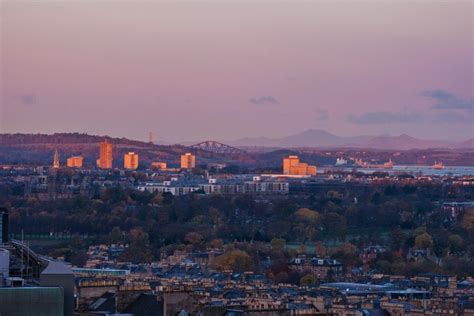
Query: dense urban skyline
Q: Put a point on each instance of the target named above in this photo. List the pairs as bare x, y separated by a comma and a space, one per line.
194, 70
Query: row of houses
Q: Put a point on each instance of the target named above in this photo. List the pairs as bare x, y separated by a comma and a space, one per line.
256, 185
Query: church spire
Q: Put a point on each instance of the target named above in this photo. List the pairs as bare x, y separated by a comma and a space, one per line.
56, 158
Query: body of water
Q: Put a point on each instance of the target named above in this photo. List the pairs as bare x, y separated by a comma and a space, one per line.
413, 169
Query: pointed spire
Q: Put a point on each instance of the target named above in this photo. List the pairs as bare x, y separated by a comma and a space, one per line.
56, 158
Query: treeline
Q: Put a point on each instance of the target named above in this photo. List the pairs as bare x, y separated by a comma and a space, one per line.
401, 217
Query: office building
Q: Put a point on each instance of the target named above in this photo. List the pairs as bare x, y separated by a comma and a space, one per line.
130, 161
188, 161
75, 162
293, 166
105, 156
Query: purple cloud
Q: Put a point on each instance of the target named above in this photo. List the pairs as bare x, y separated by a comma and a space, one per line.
446, 100
264, 100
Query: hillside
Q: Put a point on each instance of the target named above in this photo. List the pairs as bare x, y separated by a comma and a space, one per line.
38, 148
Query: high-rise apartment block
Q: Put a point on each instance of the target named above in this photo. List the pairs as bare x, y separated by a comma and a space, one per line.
75, 162
130, 161
105, 156
188, 161
293, 166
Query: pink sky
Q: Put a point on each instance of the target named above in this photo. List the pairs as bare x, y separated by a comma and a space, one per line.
229, 69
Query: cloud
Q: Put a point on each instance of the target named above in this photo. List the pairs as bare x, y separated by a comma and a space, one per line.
321, 114
454, 117
448, 101
263, 100
28, 99
384, 118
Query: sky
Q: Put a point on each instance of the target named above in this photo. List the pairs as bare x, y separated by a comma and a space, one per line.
225, 69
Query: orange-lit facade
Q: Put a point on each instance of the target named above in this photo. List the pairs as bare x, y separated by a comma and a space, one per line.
159, 165
56, 159
75, 162
130, 161
105, 156
188, 161
293, 166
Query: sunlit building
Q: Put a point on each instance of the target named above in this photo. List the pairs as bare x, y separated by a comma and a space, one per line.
75, 162
105, 156
293, 166
188, 161
56, 158
130, 161
159, 165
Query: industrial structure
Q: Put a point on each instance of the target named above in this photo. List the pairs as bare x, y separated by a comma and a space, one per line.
31, 284
215, 147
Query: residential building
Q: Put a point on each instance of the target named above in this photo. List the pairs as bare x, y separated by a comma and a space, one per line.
159, 165
105, 156
321, 267
188, 161
130, 161
75, 162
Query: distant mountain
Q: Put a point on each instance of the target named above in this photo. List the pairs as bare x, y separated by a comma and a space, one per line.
468, 144
309, 138
403, 142
321, 138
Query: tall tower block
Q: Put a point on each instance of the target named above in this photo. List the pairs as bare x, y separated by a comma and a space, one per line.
105, 156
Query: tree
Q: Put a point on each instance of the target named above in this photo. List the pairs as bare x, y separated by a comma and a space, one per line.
303, 249
235, 260
397, 238
139, 250
281, 277
468, 220
116, 235
320, 249
278, 243
335, 224
193, 238
424, 241
308, 280
307, 215
456, 243
216, 243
